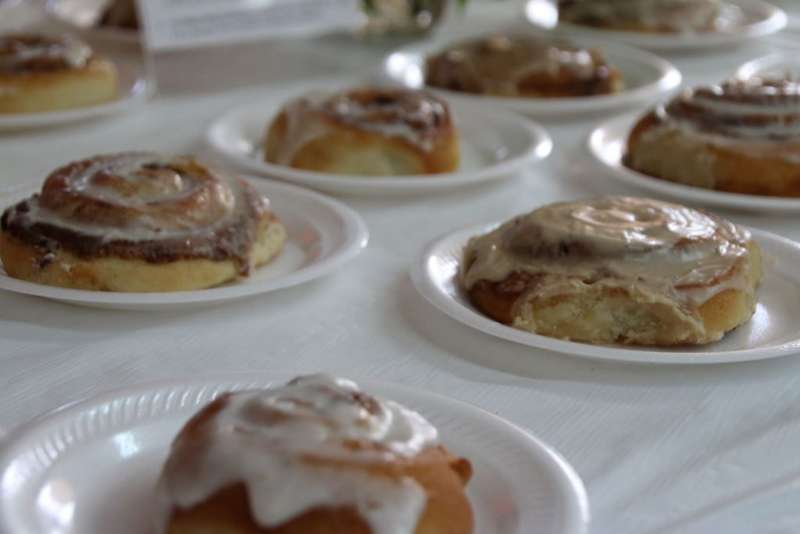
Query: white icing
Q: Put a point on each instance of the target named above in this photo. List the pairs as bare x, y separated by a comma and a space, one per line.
286, 444
638, 244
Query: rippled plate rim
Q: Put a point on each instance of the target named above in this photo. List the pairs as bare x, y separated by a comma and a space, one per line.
354, 235
669, 80
66, 427
773, 21
539, 145
469, 316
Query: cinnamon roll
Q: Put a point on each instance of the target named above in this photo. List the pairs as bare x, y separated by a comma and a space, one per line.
139, 222
659, 16
742, 136
42, 73
616, 270
367, 131
522, 66
316, 456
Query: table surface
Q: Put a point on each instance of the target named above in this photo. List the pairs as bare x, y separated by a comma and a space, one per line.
660, 448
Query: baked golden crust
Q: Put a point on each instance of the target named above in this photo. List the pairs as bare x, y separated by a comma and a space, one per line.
39, 74
616, 270
365, 132
139, 222
739, 137
441, 475
680, 156
597, 314
244, 463
521, 65
63, 268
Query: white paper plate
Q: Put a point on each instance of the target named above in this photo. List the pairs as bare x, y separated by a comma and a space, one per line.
771, 333
134, 90
778, 65
323, 235
81, 16
494, 145
760, 19
607, 144
90, 468
647, 77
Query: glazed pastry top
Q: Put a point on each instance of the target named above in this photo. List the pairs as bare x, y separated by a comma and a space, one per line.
308, 444
662, 15
25, 53
138, 203
643, 245
415, 117
501, 64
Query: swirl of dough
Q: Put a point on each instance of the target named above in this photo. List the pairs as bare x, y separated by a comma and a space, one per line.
141, 205
760, 109
36, 53
658, 246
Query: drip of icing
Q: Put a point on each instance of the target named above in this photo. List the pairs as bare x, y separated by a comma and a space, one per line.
408, 115
24, 53
684, 16
305, 445
651, 246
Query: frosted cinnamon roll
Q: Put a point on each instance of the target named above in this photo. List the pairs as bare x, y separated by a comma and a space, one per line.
522, 66
316, 456
740, 137
368, 131
662, 16
616, 270
120, 14
139, 222
43, 73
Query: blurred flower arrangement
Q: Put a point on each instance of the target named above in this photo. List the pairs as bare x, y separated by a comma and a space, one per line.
403, 16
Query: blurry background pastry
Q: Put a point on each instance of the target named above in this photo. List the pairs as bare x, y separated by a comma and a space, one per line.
317, 456
120, 14
520, 65
44, 73
667, 16
742, 136
139, 222
616, 270
370, 131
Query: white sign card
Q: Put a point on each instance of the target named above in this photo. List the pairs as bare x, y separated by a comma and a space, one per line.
184, 24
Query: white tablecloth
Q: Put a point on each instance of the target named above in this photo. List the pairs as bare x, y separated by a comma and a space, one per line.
661, 449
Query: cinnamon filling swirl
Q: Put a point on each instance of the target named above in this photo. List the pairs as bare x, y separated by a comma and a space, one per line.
756, 109
637, 245
35, 53
141, 206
